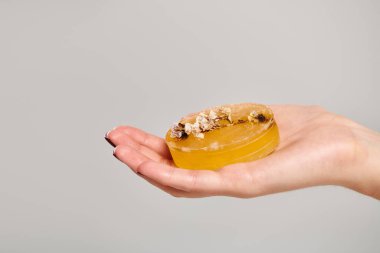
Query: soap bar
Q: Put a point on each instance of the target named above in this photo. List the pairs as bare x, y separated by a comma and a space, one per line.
223, 135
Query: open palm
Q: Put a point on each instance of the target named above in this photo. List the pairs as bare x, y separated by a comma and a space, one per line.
316, 148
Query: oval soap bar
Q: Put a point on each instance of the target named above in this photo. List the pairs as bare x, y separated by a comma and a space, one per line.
222, 135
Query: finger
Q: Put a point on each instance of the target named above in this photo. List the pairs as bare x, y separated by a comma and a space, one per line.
125, 140
198, 181
153, 142
131, 157
172, 191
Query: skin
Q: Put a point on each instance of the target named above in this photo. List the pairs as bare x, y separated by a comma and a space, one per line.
317, 147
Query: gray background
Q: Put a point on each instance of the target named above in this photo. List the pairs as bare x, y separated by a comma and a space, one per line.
71, 70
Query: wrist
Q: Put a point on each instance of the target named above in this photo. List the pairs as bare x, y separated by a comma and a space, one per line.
364, 162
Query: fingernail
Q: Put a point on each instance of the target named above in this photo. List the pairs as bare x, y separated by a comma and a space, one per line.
140, 175
109, 141
106, 135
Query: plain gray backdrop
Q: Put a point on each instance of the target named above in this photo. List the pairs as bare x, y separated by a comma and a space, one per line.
72, 70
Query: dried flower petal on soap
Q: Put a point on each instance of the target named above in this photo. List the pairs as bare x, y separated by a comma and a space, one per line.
199, 135
213, 115
252, 117
177, 130
188, 128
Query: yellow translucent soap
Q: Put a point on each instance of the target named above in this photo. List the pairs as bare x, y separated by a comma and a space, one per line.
222, 135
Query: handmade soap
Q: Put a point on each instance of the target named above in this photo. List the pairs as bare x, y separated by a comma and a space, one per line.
222, 135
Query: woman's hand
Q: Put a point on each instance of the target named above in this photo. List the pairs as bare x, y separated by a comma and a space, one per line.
316, 148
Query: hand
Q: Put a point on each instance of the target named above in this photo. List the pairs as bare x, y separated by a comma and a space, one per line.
316, 148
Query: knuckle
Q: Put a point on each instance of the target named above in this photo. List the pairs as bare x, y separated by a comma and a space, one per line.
141, 168
244, 182
145, 139
163, 161
136, 146
170, 175
258, 184
193, 181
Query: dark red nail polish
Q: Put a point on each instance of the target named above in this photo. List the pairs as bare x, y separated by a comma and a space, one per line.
110, 142
140, 175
